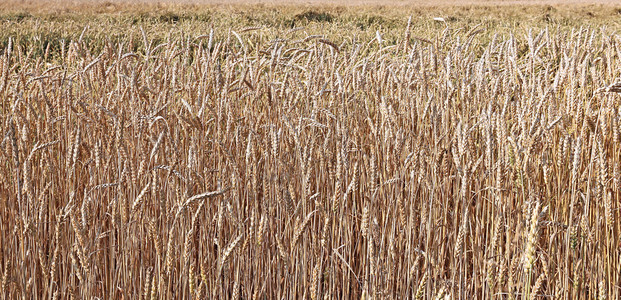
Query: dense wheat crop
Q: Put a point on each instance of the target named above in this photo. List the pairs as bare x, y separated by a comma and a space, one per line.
260, 163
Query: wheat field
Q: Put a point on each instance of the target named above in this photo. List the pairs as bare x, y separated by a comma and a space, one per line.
313, 162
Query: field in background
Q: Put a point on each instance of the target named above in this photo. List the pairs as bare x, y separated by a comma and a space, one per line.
411, 152
355, 3
40, 26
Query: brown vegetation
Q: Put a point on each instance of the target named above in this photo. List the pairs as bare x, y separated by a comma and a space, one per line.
231, 165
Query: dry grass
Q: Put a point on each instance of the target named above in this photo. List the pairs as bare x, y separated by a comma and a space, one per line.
267, 163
